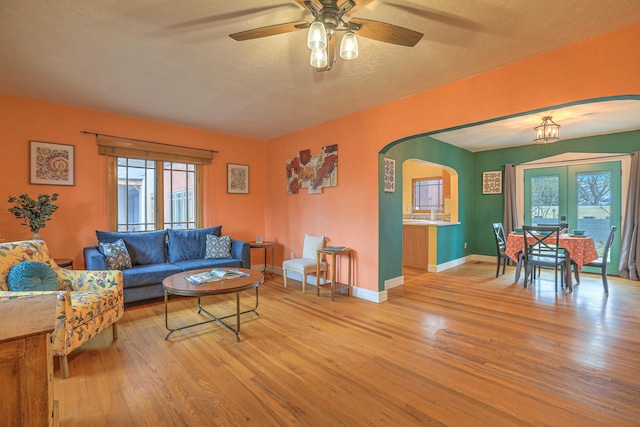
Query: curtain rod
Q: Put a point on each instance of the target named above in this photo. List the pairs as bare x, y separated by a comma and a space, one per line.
144, 140
576, 160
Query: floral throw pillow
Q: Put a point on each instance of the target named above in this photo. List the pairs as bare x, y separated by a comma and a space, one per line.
115, 254
218, 247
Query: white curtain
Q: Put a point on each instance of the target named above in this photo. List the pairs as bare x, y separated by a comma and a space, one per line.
629, 267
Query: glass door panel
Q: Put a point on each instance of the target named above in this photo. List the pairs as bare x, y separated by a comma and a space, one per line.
594, 194
586, 197
545, 197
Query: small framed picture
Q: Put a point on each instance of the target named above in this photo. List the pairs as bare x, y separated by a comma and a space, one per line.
51, 163
389, 175
237, 179
492, 182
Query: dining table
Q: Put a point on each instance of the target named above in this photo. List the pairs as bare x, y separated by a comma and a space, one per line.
580, 249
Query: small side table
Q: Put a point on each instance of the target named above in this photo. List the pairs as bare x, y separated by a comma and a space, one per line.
266, 245
334, 285
64, 263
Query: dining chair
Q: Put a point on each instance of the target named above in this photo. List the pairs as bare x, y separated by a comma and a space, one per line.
601, 263
501, 246
542, 249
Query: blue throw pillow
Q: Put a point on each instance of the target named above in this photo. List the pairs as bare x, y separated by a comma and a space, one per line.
190, 244
32, 276
147, 247
115, 254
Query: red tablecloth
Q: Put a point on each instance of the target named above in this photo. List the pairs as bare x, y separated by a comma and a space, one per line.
582, 249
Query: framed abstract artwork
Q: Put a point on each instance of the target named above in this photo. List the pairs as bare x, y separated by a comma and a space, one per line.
314, 172
237, 179
492, 182
51, 163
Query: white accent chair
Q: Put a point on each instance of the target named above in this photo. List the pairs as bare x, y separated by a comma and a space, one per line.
306, 264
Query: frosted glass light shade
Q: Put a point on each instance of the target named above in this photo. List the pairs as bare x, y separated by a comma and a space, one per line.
317, 37
318, 58
349, 46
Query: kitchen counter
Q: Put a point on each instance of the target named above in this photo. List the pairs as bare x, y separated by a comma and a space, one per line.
428, 222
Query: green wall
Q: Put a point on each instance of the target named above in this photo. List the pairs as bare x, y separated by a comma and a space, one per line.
451, 239
489, 208
476, 210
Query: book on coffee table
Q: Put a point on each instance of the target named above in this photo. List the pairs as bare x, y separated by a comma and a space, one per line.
214, 275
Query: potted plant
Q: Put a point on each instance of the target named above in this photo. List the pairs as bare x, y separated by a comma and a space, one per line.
34, 213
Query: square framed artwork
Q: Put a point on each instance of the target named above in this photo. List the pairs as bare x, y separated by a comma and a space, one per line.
237, 179
492, 182
51, 163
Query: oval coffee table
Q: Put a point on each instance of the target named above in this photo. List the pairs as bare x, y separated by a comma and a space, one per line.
178, 285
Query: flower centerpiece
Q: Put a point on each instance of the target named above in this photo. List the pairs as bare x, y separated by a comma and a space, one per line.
34, 213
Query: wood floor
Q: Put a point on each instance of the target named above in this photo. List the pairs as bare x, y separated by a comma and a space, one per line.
457, 348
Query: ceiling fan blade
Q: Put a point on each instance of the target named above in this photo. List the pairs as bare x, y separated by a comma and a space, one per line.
387, 33
359, 5
207, 20
438, 16
316, 2
271, 30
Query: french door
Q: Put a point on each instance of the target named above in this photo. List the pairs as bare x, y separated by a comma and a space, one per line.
585, 196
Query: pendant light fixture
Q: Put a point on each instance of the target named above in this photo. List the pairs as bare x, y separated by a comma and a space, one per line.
317, 37
547, 132
349, 46
318, 58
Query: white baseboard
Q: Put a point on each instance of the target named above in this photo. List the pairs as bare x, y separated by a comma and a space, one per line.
382, 296
484, 258
392, 283
362, 293
369, 295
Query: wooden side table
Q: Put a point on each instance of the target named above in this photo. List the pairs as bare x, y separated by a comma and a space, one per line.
266, 245
334, 285
64, 263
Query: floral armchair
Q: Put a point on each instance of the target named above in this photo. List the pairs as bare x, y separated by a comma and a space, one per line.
88, 301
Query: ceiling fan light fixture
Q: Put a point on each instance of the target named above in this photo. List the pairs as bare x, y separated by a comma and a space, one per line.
317, 37
318, 58
349, 46
547, 132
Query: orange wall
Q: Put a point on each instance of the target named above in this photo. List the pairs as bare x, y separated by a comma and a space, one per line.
348, 214
82, 208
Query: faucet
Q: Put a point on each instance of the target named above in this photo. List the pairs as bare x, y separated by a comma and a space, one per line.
410, 209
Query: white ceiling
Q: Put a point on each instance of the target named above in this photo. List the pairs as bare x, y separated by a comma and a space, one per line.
576, 121
172, 61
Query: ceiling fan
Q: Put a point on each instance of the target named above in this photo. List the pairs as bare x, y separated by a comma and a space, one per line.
328, 19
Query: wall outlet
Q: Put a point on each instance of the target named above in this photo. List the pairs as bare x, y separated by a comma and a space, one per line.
292, 255
465, 245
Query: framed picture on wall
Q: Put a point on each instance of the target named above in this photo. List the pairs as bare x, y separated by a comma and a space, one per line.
51, 163
237, 179
492, 182
389, 175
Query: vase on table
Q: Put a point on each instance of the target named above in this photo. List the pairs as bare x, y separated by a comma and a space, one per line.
36, 236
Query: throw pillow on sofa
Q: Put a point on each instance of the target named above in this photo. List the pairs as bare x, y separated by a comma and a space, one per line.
218, 247
190, 244
115, 254
146, 247
30, 276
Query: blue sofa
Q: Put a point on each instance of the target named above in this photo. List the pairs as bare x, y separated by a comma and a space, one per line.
156, 255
